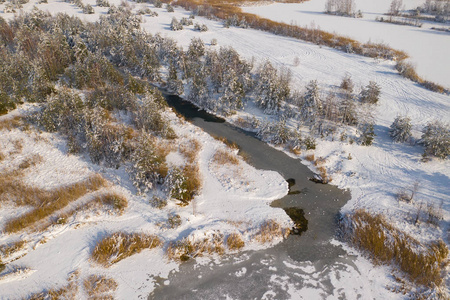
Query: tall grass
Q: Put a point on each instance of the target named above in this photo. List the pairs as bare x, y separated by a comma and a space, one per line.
121, 245
223, 157
99, 287
46, 202
423, 264
270, 230
190, 247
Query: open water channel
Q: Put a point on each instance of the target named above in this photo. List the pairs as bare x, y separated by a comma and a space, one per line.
302, 266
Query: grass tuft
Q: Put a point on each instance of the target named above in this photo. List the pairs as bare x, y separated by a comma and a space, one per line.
270, 230
235, 241
121, 245
99, 287
189, 247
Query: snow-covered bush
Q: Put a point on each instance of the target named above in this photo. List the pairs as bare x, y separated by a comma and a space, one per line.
436, 139
213, 42
347, 83
175, 25
186, 21
157, 3
400, 129
88, 9
371, 93
169, 8
200, 27
173, 220
102, 3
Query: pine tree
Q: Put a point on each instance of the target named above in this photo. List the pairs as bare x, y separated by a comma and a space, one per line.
436, 139
400, 130
371, 93
367, 134
312, 104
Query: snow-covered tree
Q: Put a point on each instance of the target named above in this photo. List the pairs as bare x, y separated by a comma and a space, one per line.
148, 166
436, 139
371, 93
400, 130
367, 134
271, 89
173, 83
395, 7
312, 104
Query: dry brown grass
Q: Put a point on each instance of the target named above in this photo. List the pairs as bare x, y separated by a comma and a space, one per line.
67, 292
310, 157
188, 248
45, 202
114, 200
235, 241
423, 264
31, 161
121, 245
2, 156
190, 150
10, 123
223, 157
229, 144
192, 183
8, 250
269, 230
99, 287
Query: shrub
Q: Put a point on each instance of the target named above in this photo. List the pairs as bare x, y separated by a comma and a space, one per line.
120, 245
407, 70
400, 130
235, 241
8, 250
347, 83
310, 143
102, 3
371, 93
169, 8
436, 139
88, 9
173, 220
175, 25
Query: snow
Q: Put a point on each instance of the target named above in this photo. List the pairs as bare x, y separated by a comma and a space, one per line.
374, 174
427, 48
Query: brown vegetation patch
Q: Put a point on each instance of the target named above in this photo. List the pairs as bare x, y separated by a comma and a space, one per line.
423, 264
10, 123
67, 292
190, 150
235, 241
310, 157
99, 287
188, 248
121, 245
8, 250
116, 201
270, 230
223, 157
45, 202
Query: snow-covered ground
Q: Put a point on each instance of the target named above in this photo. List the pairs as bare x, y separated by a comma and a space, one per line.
374, 174
427, 48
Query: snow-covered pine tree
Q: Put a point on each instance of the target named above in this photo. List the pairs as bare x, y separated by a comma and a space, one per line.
271, 89
371, 93
312, 104
367, 134
436, 139
400, 129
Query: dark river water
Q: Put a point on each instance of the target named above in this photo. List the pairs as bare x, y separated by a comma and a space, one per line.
271, 273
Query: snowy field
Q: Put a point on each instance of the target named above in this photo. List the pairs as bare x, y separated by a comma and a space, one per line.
428, 49
374, 174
